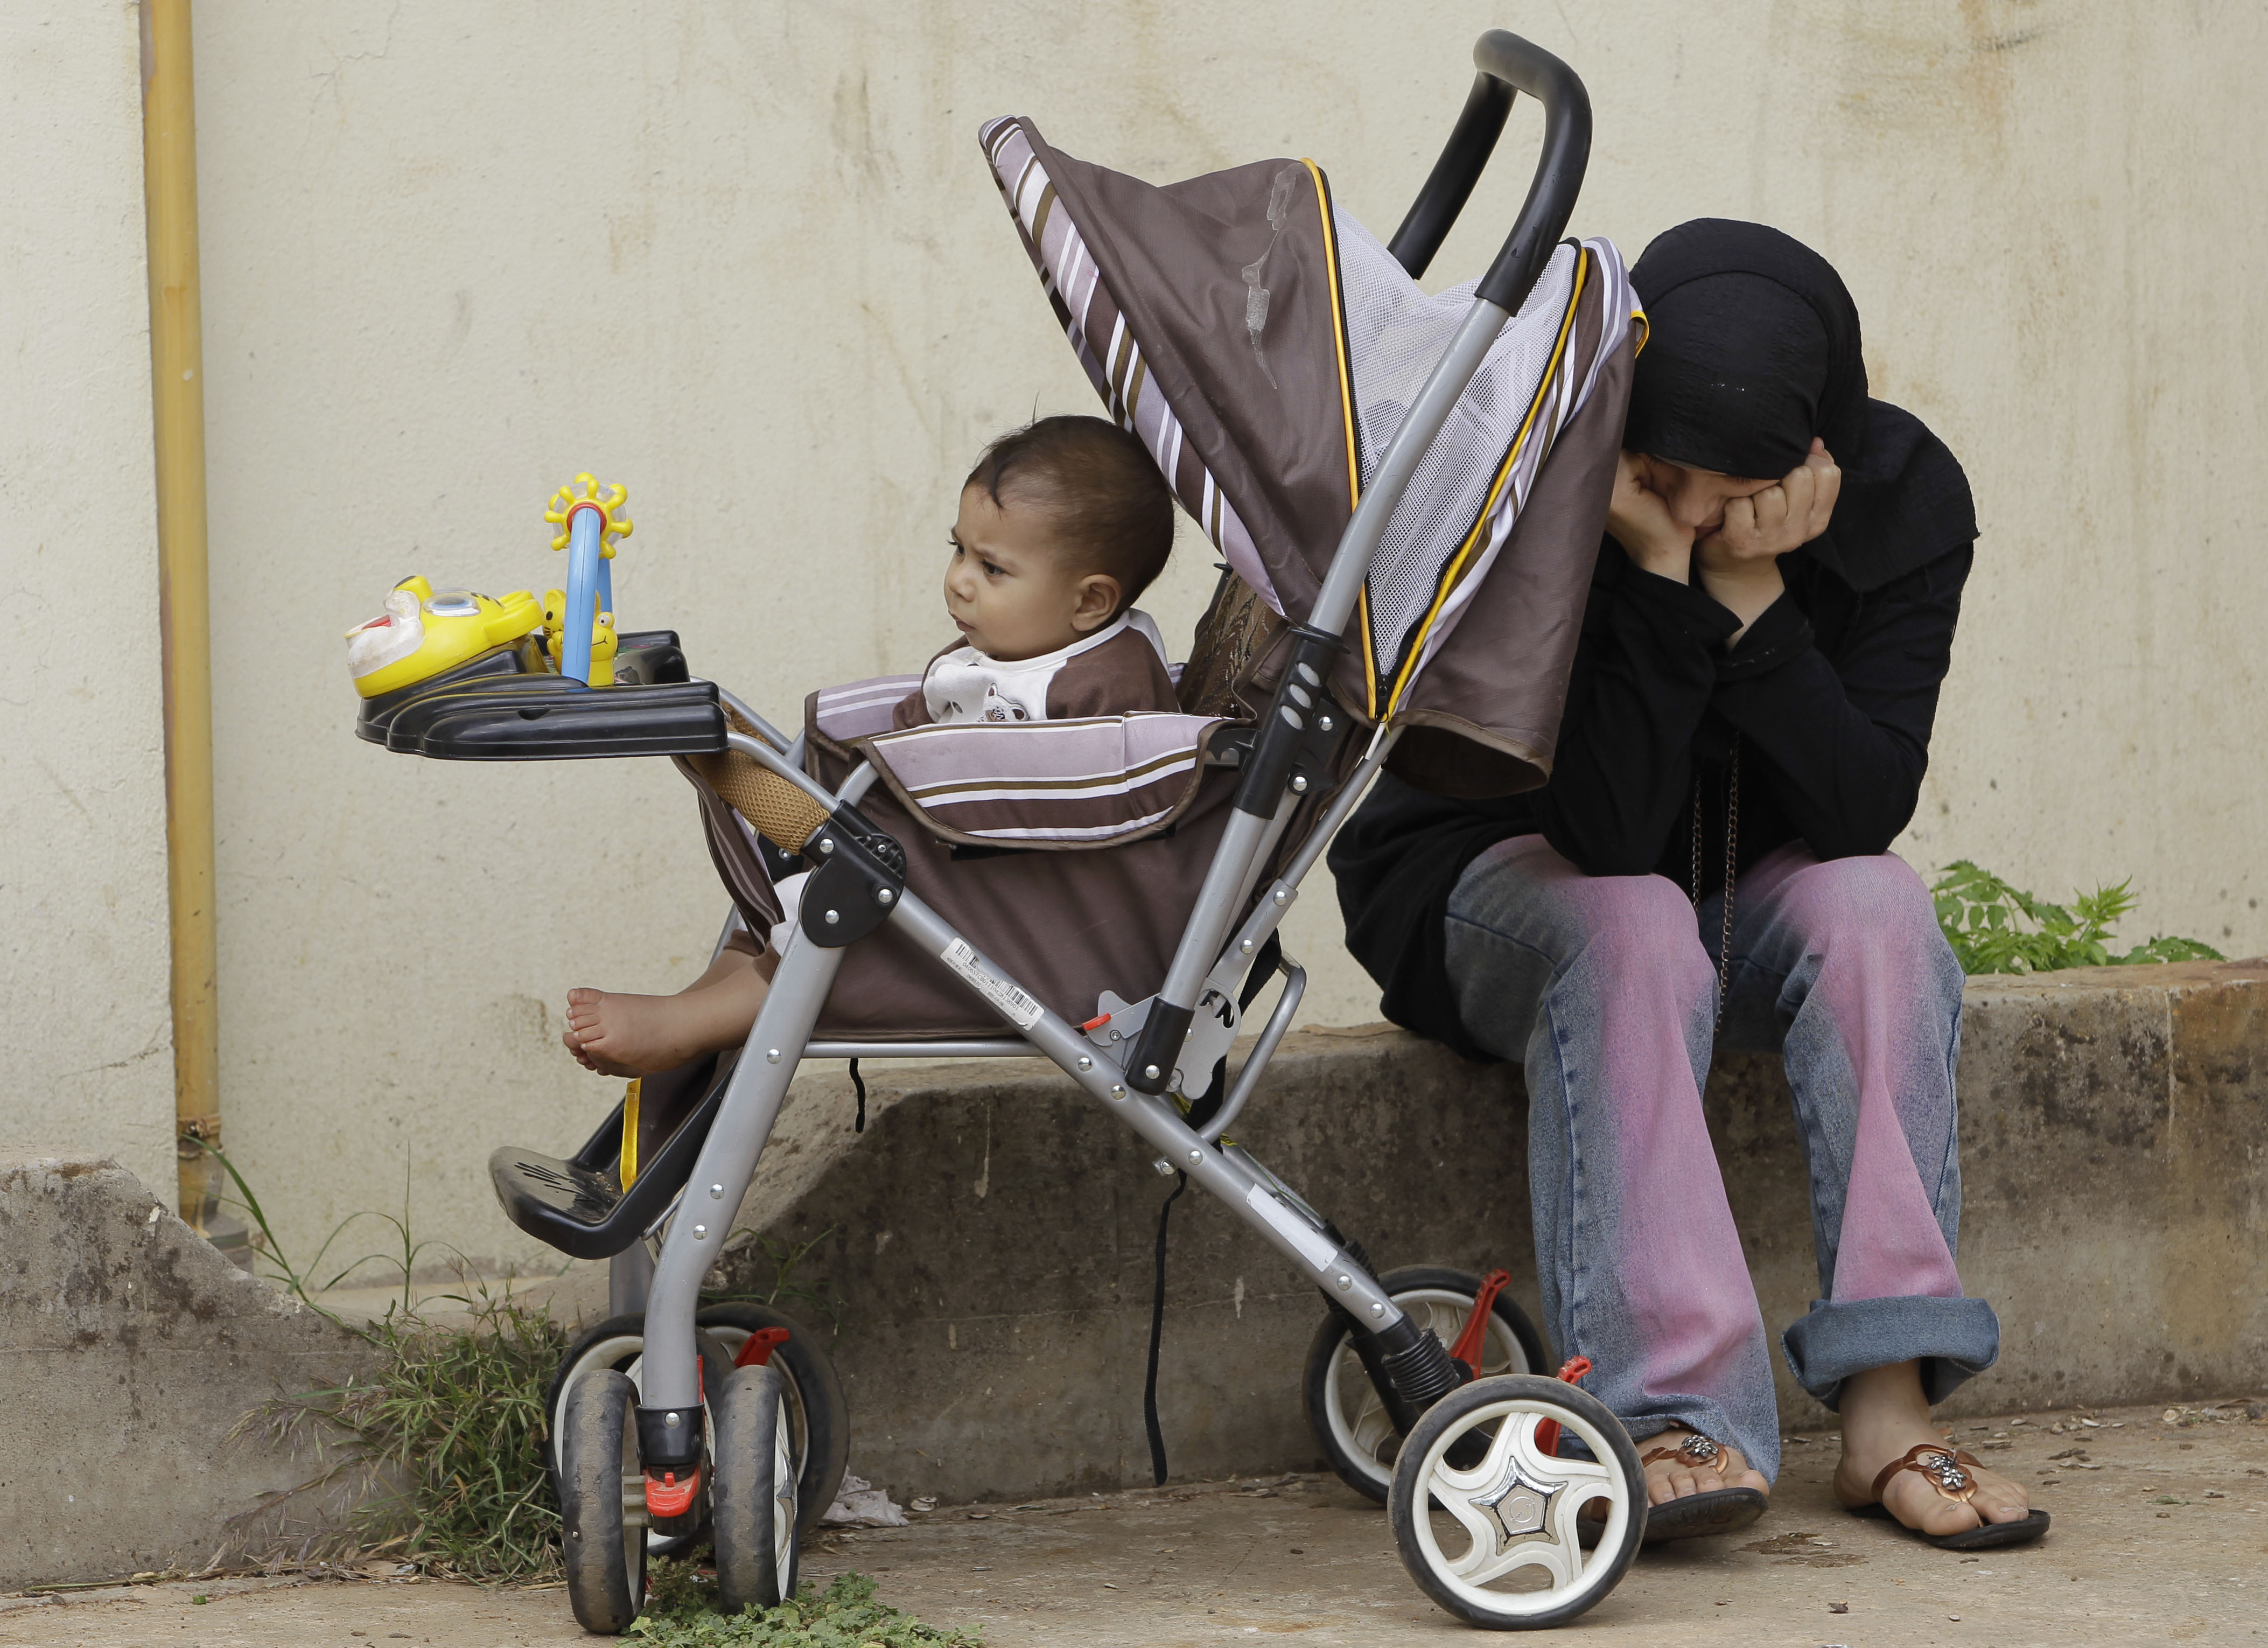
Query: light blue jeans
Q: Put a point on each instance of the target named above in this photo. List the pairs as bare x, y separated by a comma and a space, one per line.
1605, 989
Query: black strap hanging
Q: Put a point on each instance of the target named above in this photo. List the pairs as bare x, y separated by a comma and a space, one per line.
859, 1082
1157, 1334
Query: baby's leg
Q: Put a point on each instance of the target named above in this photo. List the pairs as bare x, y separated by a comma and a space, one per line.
618, 1034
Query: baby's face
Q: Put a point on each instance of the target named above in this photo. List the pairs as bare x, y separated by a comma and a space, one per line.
1008, 586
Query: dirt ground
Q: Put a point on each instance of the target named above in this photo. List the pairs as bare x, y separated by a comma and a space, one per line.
2160, 1536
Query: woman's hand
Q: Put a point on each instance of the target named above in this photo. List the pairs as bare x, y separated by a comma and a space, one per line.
1638, 519
1768, 524
1738, 562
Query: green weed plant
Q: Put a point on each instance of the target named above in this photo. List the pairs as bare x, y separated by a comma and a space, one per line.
680, 1613
1995, 928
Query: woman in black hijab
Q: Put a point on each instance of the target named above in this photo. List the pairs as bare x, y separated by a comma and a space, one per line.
1747, 724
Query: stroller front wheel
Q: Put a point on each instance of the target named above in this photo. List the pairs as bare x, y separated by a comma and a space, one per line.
602, 1501
753, 1507
1487, 1522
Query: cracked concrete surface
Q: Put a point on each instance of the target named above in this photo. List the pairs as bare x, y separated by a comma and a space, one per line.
2160, 1534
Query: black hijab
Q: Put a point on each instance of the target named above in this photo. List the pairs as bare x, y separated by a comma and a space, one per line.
1752, 349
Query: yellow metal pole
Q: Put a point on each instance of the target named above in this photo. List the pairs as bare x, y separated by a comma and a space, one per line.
169, 173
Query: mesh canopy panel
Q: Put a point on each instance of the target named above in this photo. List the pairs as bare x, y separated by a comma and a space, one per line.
1473, 480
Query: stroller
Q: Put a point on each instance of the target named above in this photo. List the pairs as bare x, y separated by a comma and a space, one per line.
1407, 491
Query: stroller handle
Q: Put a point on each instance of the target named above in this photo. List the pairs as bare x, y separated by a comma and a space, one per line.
1507, 64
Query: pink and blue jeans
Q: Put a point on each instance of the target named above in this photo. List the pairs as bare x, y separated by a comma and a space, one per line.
1605, 988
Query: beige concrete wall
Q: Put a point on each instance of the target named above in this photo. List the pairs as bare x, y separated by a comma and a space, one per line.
746, 259
83, 946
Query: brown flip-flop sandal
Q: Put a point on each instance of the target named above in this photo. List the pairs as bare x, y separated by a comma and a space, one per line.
1947, 1470
1719, 1511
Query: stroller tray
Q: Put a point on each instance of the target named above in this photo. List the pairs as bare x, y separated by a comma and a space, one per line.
492, 708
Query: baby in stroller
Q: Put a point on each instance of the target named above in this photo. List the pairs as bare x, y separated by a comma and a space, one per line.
1063, 524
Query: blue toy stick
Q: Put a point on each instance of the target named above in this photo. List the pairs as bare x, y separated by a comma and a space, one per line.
592, 517
584, 570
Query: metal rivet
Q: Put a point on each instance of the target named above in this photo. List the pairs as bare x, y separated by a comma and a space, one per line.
1197, 1155
1324, 722
771, 1055
1086, 1063
883, 894
1165, 1168
1118, 1092
1346, 1284
1378, 1310
826, 844
834, 917
700, 1230
1298, 787
1149, 1072
716, 1193
1246, 947
1282, 896
671, 1421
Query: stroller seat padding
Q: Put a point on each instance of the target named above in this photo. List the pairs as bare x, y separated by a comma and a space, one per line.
1047, 784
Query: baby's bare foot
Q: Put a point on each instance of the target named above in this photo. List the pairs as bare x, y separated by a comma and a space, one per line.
619, 1034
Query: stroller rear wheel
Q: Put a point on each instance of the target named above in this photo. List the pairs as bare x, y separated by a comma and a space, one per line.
1496, 1542
602, 1501
1349, 1421
817, 1411
754, 1496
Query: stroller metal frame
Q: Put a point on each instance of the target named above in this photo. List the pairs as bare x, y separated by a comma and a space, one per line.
1301, 723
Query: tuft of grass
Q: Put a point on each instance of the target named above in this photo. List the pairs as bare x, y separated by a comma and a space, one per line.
1995, 928
435, 1456
680, 1613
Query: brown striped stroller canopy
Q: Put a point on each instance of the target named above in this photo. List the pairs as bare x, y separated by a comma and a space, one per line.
1265, 347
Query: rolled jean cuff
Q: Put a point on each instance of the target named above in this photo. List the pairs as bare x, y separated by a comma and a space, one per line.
1952, 1339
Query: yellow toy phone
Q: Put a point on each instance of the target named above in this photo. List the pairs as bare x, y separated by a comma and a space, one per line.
423, 632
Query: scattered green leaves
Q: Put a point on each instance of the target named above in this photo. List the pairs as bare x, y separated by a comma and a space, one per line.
1995, 928
680, 1613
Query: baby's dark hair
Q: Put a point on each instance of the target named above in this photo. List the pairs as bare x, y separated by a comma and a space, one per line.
1098, 483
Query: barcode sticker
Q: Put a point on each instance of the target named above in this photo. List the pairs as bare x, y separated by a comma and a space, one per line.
1017, 1007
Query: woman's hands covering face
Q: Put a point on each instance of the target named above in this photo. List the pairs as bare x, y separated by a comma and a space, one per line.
1639, 519
1782, 517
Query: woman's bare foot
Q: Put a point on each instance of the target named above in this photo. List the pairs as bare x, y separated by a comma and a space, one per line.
619, 1034
1675, 1478
1884, 1415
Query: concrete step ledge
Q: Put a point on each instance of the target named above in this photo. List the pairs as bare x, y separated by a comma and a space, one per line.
130, 1348
987, 1248
990, 1238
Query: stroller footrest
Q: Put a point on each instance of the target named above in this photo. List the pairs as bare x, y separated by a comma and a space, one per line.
551, 1198
577, 1205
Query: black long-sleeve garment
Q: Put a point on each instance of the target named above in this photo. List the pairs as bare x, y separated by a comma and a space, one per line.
1831, 691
